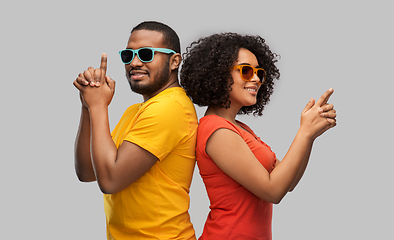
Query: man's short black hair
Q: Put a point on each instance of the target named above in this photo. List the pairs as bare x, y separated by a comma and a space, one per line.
170, 38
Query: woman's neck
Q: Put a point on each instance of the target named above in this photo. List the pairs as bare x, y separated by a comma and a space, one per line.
226, 113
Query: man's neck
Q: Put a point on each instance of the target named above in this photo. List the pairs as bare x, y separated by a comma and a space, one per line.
170, 84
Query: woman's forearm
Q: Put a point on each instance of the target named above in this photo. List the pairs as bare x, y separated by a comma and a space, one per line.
302, 168
284, 176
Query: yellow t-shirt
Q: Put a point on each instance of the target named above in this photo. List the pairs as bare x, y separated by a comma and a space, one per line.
156, 205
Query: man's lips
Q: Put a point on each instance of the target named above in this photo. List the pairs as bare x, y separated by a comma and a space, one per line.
138, 74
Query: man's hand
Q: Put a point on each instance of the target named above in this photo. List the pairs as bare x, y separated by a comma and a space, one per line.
95, 87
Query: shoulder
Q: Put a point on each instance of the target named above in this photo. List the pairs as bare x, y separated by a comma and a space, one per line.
212, 123
170, 100
130, 112
215, 121
169, 110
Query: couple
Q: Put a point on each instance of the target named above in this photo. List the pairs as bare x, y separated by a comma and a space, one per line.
144, 166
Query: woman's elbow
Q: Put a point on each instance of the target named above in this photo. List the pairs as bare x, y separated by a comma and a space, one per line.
274, 198
277, 200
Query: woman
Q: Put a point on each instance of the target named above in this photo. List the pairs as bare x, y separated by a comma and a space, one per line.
234, 74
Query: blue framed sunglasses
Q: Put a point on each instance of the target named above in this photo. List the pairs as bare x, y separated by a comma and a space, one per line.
145, 54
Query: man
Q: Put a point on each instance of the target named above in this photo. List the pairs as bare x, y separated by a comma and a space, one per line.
145, 168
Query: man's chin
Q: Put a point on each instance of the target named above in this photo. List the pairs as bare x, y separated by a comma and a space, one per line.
139, 88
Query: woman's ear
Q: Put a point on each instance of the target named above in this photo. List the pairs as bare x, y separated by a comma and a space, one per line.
176, 60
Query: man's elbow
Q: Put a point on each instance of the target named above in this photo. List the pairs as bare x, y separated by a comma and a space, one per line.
106, 191
108, 187
85, 178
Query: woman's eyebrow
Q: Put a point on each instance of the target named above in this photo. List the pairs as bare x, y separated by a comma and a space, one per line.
258, 66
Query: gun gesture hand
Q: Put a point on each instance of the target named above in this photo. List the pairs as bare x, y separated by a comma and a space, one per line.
95, 87
317, 117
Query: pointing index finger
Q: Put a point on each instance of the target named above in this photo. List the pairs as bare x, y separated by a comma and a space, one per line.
103, 65
324, 98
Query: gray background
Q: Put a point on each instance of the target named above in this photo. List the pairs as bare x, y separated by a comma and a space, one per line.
346, 45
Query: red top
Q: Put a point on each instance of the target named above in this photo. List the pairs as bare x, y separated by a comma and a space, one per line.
235, 212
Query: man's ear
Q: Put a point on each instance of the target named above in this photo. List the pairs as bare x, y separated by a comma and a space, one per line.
176, 60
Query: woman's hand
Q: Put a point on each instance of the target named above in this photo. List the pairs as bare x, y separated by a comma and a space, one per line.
316, 118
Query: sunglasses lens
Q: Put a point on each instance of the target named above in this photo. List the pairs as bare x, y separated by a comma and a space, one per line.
145, 55
261, 75
247, 73
126, 56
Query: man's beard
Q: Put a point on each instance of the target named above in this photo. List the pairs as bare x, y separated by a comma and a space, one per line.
160, 79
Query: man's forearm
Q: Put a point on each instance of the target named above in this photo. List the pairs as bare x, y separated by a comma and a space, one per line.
102, 147
82, 156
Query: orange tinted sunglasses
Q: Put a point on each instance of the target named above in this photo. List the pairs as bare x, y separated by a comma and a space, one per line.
247, 72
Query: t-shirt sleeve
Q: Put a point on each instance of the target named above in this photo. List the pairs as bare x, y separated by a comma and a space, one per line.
208, 127
160, 127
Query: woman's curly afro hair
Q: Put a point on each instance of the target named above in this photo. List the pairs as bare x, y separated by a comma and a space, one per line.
206, 70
